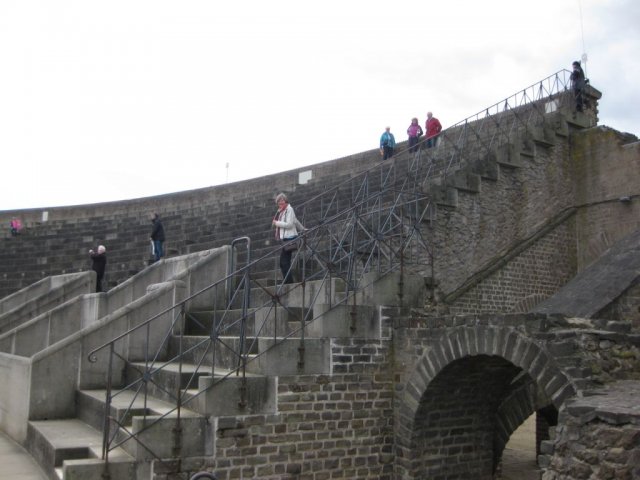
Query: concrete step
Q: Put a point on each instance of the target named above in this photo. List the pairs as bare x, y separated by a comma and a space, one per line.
60, 446
198, 351
266, 321
166, 380
153, 421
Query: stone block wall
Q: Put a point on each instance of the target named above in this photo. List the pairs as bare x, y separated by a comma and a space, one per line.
597, 437
626, 308
605, 166
194, 220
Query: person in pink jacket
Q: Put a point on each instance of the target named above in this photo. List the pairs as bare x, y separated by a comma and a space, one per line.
414, 132
433, 128
15, 226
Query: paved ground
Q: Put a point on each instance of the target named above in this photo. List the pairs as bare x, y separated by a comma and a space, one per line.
519, 456
16, 463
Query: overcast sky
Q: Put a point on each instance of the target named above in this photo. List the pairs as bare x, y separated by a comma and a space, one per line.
119, 99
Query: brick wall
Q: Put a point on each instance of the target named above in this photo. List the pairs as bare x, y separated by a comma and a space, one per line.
455, 422
327, 427
502, 214
588, 175
536, 273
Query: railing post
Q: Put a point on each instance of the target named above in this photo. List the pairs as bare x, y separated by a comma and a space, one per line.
213, 335
177, 429
301, 347
107, 408
243, 329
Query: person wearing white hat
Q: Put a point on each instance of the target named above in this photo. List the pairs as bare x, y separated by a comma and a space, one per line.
99, 265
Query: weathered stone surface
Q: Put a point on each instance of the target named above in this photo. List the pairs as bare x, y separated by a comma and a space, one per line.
609, 276
601, 436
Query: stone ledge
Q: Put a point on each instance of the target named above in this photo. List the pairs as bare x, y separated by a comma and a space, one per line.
616, 404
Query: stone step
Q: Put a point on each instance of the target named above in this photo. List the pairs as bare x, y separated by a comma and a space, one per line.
166, 380
59, 445
265, 321
198, 351
125, 405
151, 418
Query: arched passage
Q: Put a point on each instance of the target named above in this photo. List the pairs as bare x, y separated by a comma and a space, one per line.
468, 392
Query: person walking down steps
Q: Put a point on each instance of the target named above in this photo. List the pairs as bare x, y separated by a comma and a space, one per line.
287, 228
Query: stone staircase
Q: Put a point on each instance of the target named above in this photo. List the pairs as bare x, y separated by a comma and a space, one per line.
66, 437
485, 183
143, 401
489, 163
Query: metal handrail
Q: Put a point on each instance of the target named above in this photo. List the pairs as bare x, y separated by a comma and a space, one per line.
553, 85
379, 231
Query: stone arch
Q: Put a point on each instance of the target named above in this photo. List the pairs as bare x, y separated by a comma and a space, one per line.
524, 399
492, 357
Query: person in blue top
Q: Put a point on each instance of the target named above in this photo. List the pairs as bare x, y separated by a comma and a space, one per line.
387, 143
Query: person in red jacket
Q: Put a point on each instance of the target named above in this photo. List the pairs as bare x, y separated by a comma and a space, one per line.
433, 128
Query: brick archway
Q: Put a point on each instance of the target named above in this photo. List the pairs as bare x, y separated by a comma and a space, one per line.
452, 413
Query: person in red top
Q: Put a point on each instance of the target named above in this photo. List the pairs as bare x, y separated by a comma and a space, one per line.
433, 128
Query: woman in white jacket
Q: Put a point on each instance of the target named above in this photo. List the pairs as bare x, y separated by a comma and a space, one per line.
287, 227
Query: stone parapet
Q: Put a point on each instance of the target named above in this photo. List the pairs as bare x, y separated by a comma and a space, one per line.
598, 436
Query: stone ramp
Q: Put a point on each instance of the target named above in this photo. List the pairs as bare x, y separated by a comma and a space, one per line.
16, 463
593, 289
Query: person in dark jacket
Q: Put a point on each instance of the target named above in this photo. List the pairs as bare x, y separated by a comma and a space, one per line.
157, 237
577, 85
99, 265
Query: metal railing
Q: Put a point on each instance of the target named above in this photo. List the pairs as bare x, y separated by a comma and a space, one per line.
370, 223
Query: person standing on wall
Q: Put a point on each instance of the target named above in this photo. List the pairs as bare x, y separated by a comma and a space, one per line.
157, 237
287, 226
15, 226
433, 128
99, 265
415, 132
577, 85
387, 144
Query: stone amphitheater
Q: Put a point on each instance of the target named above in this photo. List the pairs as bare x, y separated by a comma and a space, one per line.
442, 298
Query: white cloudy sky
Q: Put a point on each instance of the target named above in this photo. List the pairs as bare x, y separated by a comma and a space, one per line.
122, 99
